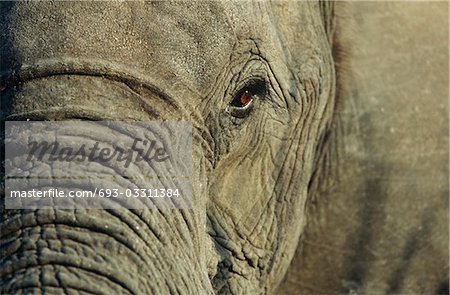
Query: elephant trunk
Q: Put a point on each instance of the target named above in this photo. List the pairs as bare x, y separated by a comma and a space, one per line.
68, 61
112, 251
101, 252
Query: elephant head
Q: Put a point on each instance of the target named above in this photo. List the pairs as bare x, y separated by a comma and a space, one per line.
256, 80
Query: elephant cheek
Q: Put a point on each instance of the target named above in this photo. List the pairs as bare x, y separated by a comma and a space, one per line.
257, 203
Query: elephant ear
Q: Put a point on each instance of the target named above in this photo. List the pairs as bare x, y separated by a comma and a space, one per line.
377, 208
338, 24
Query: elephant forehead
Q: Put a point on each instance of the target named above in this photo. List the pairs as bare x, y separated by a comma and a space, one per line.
180, 46
185, 41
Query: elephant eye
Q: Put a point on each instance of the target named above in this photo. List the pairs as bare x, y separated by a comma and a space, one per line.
244, 100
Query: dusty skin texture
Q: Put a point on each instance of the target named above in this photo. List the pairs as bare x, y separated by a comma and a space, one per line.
363, 187
179, 61
381, 226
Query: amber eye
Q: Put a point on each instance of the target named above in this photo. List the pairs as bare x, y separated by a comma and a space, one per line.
244, 100
242, 104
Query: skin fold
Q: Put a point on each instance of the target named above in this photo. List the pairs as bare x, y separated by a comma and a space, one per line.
260, 173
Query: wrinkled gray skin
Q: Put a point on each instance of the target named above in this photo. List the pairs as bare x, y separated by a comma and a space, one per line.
255, 180
178, 61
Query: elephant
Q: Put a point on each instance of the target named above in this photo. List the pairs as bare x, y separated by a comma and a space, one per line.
301, 181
